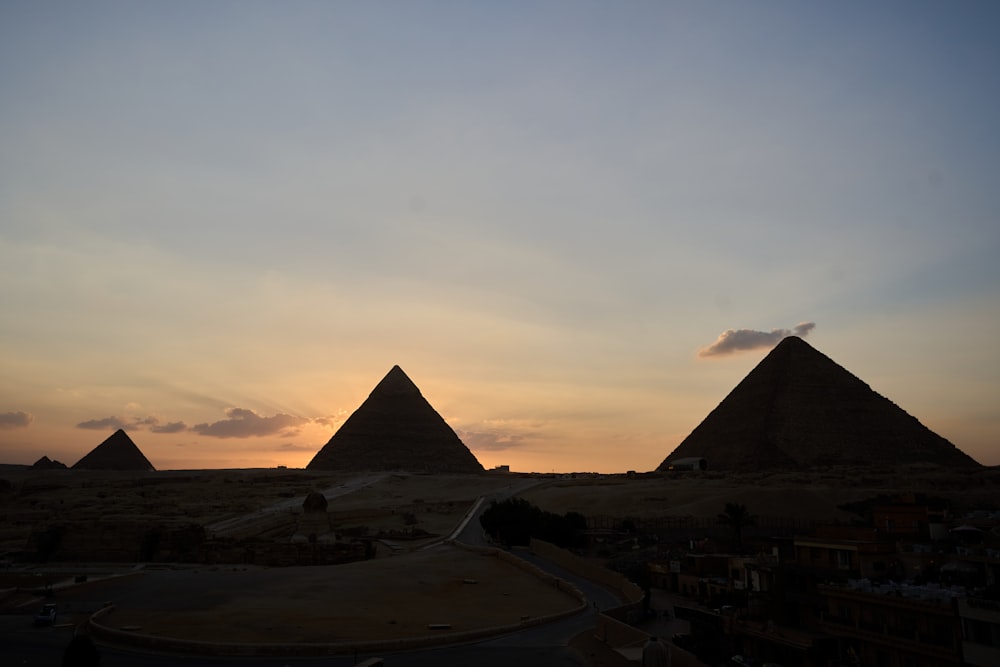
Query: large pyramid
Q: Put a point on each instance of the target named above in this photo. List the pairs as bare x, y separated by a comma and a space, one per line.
799, 409
118, 452
396, 429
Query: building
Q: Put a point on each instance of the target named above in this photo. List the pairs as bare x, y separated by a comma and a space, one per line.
893, 625
980, 620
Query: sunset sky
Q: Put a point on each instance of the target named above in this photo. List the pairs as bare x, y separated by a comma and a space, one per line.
222, 223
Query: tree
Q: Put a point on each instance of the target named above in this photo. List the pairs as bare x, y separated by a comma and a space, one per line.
516, 521
512, 521
737, 517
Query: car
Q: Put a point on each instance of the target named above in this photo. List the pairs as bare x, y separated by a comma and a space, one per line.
46, 615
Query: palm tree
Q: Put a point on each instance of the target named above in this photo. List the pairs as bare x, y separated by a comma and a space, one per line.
738, 517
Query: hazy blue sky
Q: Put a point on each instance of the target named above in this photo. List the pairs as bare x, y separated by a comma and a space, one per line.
221, 223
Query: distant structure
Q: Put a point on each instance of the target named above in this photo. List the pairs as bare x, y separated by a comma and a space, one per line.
396, 429
45, 463
690, 463
799, 409
118, 452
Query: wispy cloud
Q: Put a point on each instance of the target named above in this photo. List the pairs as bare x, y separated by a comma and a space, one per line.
495, 435
152, 423
243, 423
732, 341
332, 420
103, 424
17, 419
171, 427
292, 447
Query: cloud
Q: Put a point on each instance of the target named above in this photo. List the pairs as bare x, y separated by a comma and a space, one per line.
243, 423
485, 441
739, 340
102, 424
136, 423
332, 420
172, 427
292, 447
15, 419
497, 435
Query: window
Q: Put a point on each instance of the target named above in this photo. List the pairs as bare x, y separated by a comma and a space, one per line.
981, 632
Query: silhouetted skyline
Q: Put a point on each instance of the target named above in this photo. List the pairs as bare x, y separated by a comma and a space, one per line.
578, 226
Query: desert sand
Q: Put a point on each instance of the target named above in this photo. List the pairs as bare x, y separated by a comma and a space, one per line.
389, 598
404, 590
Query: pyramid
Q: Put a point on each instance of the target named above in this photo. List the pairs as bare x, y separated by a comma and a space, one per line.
45, 463
118, 452
396, 429
799, 409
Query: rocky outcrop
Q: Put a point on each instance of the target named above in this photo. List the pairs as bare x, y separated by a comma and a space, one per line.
314, 502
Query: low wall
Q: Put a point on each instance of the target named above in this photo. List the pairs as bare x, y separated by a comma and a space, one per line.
613, 632
629, 592
98, 627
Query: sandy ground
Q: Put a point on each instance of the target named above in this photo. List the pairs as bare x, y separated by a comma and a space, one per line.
400, 595
793, 495
703, 498
383, 599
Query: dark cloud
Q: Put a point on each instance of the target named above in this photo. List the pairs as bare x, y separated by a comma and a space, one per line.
739, 340
15, 419
172, 427
243, 423
103, 424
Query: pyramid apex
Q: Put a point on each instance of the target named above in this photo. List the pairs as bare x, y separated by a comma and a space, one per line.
792, 340
395, 382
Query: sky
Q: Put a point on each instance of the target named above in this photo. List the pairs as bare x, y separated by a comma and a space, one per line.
576, 226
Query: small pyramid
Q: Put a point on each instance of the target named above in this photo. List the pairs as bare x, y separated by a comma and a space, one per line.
396, 429
45, 463
799, 409
118, 452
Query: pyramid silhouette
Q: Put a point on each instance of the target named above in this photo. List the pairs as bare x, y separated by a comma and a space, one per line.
118, 452
396, 429
45, 463
799, 409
